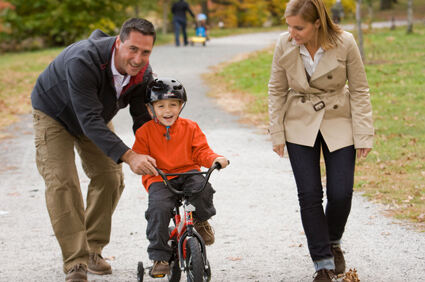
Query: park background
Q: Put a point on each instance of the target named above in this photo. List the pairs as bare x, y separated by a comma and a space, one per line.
32, 33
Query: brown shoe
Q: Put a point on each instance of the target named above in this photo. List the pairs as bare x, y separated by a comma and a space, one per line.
160, 268
78, 273
324, 275
338, 259
205, 230
97, 265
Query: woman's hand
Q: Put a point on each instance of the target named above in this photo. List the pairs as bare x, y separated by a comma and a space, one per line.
363, 152
279, 149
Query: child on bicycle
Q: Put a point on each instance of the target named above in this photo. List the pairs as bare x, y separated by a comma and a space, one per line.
178, 145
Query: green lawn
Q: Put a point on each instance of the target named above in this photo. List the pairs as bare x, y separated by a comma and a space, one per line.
394, 173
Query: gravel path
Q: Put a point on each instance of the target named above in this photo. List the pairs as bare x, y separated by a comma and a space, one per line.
259, 236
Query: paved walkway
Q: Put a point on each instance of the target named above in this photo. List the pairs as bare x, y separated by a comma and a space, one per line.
259, 236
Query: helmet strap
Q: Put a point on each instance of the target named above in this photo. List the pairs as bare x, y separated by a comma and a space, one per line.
184, 104
153, 113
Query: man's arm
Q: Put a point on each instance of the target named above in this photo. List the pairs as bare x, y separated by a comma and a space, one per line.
83, 90
190, 11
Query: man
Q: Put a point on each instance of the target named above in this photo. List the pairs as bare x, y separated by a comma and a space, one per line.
179, 10
74, 101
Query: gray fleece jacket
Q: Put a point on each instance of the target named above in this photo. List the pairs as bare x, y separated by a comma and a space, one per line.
77, 90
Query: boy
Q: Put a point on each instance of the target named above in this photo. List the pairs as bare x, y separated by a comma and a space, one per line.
177, 145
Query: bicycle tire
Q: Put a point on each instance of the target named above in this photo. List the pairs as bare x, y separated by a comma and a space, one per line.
140, 271
194, 261
175, 272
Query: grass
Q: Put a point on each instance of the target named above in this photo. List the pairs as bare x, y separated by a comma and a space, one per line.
394, 172
18, 73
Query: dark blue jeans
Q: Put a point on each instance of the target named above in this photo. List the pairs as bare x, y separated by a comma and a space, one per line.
323, 226
180, 23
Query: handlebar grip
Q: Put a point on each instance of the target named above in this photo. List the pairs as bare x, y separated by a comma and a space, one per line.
218, 165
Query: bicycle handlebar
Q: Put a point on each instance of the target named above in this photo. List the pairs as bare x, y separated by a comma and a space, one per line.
181, 192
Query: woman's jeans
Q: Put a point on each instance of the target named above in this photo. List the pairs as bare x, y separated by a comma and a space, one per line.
323, 227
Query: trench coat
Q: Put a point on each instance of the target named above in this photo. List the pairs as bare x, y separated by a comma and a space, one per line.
336, 99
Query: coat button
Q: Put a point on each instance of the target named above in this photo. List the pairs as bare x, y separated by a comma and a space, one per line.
330, 76
303, 100
335, 107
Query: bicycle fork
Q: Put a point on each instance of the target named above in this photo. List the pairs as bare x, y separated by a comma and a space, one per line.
187, 234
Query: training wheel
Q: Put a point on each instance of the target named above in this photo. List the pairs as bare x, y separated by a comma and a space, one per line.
140, 272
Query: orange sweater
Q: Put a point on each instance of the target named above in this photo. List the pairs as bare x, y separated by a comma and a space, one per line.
186, 150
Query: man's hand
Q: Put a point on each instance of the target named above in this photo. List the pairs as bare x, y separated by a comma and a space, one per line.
222, 161
363, 152
140, 164
279, 149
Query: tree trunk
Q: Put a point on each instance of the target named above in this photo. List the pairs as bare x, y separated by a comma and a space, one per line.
359, 27
409, 16
165, 8
370, 11
204, 9
136, 11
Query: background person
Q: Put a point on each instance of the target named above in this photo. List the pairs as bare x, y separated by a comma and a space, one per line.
179, 10
312, 110
74, 101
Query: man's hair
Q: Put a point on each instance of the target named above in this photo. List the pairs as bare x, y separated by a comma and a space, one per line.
143, 26
312, 10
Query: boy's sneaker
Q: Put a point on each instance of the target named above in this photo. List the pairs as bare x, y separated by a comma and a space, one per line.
324, 275
160, 268
78, 273
205, 230
338, 259
98, 265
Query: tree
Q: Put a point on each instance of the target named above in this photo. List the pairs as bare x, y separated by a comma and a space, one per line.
409, 16
386, 4
359, 26
61, 22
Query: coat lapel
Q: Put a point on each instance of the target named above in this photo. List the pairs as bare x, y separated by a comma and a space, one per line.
326, 64
293, 64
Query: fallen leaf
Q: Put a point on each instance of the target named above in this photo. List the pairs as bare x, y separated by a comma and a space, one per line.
234, 258
111, 258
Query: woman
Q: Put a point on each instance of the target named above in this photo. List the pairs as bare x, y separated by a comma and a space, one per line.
313, 109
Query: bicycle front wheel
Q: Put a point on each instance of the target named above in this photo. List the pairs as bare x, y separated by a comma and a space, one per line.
194, 261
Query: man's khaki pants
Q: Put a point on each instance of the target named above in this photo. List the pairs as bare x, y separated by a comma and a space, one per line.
78, 230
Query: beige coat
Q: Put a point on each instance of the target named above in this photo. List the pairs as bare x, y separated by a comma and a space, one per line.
346, 118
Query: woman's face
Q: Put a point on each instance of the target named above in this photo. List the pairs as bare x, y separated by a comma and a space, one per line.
301, 31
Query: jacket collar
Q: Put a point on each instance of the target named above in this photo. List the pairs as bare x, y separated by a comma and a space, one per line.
291, 60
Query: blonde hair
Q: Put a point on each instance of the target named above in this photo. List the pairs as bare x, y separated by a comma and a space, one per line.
312, 10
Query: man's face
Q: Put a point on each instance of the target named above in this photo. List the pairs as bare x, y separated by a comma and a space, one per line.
133, 54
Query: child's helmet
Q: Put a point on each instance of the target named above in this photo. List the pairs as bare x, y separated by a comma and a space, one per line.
165, 88
201, 17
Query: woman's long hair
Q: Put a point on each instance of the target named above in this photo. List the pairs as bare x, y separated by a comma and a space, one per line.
312, 10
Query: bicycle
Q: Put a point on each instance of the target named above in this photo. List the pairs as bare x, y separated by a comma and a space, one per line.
189, 251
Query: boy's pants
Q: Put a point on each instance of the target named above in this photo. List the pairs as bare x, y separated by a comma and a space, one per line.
160, 211
77, 230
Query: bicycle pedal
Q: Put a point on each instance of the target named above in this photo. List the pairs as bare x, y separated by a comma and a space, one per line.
158, 276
